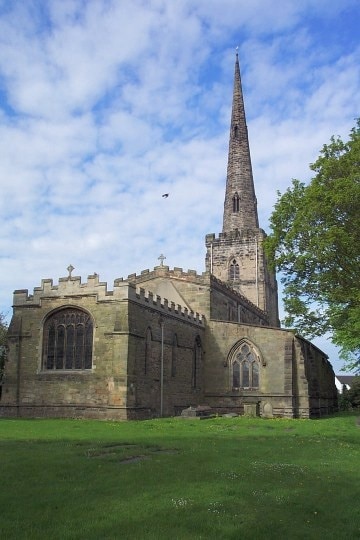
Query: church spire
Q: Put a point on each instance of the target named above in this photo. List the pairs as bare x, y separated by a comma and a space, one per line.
240, 211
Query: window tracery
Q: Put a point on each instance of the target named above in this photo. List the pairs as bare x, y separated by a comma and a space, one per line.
245, 369
234, 270
68, 340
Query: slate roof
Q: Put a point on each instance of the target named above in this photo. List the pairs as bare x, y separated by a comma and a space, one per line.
346, 379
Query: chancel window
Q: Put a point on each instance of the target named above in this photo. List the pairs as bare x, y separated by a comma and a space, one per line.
236, 202
245, 369
68, 340
234, 272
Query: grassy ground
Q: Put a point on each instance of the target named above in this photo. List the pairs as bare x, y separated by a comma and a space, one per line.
180, 479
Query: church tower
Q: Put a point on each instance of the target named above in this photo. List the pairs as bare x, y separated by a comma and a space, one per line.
237, 256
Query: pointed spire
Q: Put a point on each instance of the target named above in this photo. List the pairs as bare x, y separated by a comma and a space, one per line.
240, 210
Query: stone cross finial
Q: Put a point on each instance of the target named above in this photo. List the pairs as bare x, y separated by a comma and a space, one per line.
70, 268
161, 259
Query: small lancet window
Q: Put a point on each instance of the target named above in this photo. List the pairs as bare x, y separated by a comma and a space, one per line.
234, 271
236, 131
236, 202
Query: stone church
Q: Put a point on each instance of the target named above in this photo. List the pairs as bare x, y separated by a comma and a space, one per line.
165, 340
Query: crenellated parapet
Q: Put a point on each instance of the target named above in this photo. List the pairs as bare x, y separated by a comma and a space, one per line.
165, 271
66, 287
72, 287
150, 300
228, 237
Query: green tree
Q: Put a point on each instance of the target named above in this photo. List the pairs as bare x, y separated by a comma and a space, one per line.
315, 244
354, 393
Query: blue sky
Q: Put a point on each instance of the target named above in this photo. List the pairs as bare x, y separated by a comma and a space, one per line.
105, 105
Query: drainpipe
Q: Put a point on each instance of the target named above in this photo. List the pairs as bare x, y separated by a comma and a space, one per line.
162, 369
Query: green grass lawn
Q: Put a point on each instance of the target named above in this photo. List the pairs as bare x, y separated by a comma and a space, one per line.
234, 478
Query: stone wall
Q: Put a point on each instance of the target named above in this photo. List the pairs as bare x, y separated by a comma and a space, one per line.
30, 390
164, 370
314, 381
108, 390
289, 384
254, 280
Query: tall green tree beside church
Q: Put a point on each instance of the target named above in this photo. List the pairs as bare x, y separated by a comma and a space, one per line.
315, 244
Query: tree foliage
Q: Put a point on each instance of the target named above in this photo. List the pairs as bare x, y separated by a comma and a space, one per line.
350, 399
315, 244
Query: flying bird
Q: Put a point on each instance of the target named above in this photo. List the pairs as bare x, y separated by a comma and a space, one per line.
165, 196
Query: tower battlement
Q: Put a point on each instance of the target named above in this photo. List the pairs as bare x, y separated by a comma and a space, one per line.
245, 235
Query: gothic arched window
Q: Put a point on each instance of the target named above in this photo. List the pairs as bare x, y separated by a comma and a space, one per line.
68, 340
234, 271
245, 368
236, 202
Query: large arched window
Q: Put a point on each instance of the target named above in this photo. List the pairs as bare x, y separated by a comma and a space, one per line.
234, 271
245, 368
68, 340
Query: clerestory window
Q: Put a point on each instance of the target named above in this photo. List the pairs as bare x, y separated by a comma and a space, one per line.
68, 340
245, 369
